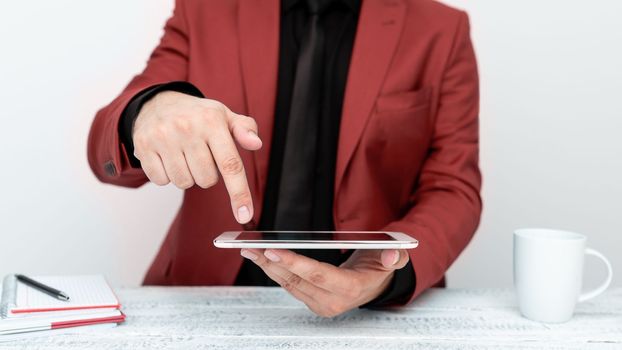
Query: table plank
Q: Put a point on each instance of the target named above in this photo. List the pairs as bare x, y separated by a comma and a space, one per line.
268, 318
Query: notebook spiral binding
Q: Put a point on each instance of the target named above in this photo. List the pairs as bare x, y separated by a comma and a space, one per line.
9, 290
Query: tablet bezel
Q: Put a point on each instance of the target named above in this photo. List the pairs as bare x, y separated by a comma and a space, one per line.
401, 240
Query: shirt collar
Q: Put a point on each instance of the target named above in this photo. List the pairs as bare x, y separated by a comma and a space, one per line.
353, 5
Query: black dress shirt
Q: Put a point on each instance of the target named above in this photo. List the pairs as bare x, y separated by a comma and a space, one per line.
339, 21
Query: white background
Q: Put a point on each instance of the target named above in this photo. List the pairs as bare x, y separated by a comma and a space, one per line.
551, 125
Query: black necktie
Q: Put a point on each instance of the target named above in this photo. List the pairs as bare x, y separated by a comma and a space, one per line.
295, 204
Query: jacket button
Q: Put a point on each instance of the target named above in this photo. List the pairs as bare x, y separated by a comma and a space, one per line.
110, 169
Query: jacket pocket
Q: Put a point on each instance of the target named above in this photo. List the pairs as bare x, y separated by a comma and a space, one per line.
404, 100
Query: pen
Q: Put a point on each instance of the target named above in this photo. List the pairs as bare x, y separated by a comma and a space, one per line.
43, 288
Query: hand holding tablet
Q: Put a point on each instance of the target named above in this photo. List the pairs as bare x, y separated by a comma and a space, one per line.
315, 240
326, 289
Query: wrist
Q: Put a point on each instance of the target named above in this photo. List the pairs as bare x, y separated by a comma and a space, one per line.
384, 286
137, 108
151, 105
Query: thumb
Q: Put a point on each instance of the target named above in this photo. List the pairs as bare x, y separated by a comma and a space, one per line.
393, 259
244, 130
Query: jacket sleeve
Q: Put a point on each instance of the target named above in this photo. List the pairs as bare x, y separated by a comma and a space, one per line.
446, 203
168, 62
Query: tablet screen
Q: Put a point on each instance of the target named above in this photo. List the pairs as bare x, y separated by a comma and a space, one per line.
312, 236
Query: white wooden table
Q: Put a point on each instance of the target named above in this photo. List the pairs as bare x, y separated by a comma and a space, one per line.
268, 318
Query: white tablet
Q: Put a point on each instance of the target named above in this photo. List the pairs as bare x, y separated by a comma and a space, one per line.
315, 240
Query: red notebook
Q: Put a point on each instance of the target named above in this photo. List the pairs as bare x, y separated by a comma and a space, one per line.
25, 309
85, 292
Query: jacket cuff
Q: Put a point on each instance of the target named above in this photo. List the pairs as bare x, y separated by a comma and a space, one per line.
130, 113
398, 292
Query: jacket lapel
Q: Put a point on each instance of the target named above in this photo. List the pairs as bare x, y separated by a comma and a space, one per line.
258, 25
379, 28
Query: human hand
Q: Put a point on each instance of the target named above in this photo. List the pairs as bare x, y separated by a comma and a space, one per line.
329, 290
187, 140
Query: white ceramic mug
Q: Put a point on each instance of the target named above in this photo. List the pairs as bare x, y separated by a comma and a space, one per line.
548, 271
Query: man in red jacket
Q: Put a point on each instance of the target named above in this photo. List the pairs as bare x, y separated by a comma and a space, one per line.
348, 114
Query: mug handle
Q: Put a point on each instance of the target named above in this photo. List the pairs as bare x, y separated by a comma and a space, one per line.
596, 291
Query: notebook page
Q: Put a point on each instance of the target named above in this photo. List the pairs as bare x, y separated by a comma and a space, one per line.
62, 313
47, 333
41, 320
90, 291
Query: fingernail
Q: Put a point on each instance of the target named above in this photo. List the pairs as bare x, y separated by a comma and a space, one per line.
397, 257
248, 254
254, 135
244, 215
272, 256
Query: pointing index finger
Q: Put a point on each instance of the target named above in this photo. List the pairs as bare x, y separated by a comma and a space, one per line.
231, 168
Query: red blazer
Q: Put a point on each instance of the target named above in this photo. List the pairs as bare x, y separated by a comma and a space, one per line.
408, 148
